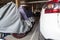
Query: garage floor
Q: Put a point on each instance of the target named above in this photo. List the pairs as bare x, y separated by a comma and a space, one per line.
33, 35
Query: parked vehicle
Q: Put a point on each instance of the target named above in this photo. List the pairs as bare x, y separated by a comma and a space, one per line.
50, 20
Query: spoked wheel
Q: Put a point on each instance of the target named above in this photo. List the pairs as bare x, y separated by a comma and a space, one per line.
16, 35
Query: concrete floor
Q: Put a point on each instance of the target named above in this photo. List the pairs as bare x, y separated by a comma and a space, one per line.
33, 35
41, 37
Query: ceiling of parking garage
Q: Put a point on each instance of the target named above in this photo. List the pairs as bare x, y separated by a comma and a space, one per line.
3, 2
20, 0
33, 0
6, 1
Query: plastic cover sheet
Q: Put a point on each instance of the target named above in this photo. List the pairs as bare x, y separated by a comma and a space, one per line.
26, 14
10, 20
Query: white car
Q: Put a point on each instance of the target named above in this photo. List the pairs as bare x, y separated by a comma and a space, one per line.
50, 21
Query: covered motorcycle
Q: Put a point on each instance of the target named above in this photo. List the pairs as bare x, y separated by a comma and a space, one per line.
11, 20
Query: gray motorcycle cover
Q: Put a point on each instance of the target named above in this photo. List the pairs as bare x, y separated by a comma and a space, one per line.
10, 20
